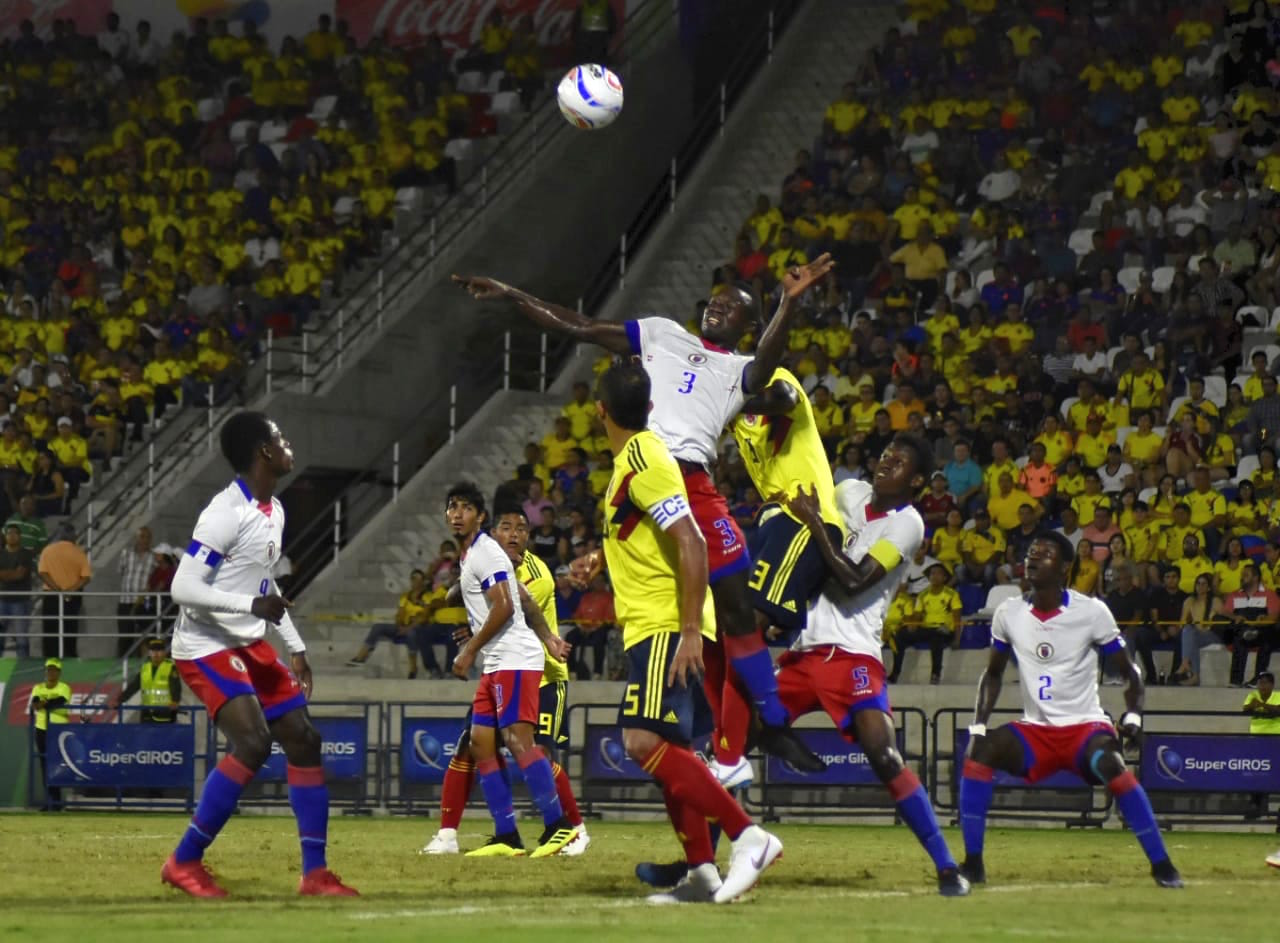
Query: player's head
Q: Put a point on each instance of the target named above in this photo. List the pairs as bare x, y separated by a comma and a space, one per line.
730, 315
464, 509
1049, 560
248, 438
1266, 684
156, 650
622, 395
904, 467
510, 523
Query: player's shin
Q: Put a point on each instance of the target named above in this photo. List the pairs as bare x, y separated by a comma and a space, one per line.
1135, 807
689, 780
218, 800
564, 789
691, 829
458, 780
976, 791
309, 799
497, 796
536, 769
917, 811
753, 665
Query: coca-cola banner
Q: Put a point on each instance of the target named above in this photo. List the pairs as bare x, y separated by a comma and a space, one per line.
89, 15
458, 22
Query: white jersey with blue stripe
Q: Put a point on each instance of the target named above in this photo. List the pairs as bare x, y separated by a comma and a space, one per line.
236, 542
515, 647
1055, 654
696, 387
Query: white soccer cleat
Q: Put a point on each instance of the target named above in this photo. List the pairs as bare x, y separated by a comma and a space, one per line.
578, 845
1273, 859
738, 776
699, 886
444, 843
753, 851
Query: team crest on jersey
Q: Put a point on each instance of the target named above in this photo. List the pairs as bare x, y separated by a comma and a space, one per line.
271, 550
750, 419
697, 359
236, 663
1044, 651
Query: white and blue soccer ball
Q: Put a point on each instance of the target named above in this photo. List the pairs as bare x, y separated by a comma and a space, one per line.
590, 97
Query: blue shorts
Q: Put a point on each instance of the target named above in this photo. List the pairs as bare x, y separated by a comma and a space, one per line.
677, 713
788, 569
553, 700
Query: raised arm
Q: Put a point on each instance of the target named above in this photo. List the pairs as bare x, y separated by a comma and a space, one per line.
552, 317
776, 399
773, 342
853, 577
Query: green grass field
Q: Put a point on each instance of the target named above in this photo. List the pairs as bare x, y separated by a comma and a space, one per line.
96, 877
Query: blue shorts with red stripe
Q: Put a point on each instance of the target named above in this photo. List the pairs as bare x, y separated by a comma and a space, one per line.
1047, 750
504, 698
255, 670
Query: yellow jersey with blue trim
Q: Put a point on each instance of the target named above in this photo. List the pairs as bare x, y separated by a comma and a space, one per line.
537, 579
781, 453
646, 496
854, 622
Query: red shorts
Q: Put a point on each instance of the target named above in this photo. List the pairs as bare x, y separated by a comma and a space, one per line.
830, 679
254, 669
504, 698
726, 547
1047, 750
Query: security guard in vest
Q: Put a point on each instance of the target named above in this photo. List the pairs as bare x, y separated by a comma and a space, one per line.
160, 685
594, 24
49, 702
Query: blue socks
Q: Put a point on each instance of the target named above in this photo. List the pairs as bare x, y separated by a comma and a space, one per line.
536, 769
218, 800
1135, 807
753, 664
976, 790
917, 811
497, 796
309, 798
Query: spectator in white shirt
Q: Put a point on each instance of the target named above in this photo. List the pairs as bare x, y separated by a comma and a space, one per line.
146, 50
1002, 183
261, 249
1091, 363
1201, 63
921, 142
1185, 215
113, 40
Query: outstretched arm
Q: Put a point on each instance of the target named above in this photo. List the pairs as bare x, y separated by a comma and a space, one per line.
773, 342
777, 399
552, 317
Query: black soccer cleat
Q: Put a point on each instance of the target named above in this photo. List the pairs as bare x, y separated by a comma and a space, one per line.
1167, 875
786, 745
951, 883
973, 870
662, 875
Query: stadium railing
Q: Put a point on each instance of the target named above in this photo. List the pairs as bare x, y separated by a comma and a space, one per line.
56, 624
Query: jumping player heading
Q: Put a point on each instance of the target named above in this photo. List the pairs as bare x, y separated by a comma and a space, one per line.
1052, 632
227, 595
698, 386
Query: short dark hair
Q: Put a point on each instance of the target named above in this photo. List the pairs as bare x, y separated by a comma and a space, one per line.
416, 572
506, 500
624, 389
921, 452
242, 436
1066, 549
754, 308
1267, 675
467, 492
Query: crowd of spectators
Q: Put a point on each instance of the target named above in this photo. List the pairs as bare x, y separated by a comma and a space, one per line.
164, 201
1056, 237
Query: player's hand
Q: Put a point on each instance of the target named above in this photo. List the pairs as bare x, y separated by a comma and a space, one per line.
805, 506
558, 648
800, 278
687, 663
586, 568
272, 608
462, 662
462, 635
302, 671
480, 288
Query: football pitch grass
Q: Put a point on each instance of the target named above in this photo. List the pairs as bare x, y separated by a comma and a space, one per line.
96, 877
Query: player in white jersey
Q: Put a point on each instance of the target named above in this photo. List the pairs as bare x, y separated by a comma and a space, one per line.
227, 595
699, 384
1053, 634
835, 664
510, 654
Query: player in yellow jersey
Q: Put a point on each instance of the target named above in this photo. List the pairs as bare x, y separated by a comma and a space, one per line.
657, 560
511, 530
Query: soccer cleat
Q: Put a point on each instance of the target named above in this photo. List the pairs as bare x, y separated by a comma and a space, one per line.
1166, 874
578, 845
738, 776
190, 877
665, 875
445, 842
753, 851
1273, 861
951, 883
973, 870
500, 846
785, 744
554, 838
321, 882
698, 886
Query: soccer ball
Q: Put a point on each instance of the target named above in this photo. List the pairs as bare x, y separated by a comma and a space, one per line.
590, 97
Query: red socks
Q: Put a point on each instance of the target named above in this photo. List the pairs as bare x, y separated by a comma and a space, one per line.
691, 784
691, 828
458, 780
564, 789
729, 708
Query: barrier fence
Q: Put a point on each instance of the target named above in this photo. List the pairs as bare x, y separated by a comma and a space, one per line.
394, 756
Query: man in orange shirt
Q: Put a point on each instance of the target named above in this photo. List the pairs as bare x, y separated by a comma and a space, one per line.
904, 403
64, 570
1038, 478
